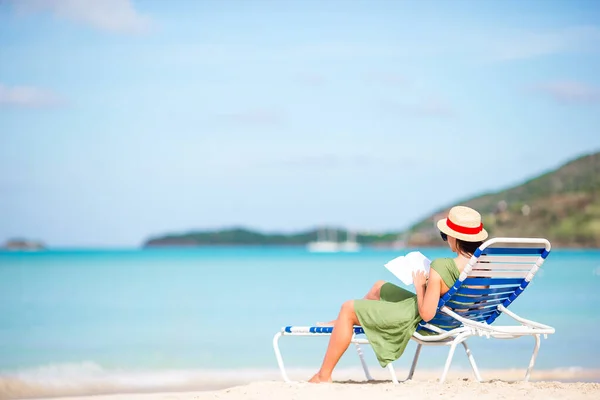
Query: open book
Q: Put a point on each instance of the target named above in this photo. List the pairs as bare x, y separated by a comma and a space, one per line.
404, 266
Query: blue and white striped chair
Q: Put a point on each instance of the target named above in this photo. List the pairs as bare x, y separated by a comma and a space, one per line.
499, 271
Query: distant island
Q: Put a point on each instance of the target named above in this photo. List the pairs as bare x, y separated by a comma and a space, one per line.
241, 236
22, 245
562, 205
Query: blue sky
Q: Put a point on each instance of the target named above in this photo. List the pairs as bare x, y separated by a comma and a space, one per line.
120, 119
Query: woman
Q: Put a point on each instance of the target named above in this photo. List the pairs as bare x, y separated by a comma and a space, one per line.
389, 314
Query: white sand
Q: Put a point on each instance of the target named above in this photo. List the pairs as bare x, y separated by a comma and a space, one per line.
574, 384
421, 390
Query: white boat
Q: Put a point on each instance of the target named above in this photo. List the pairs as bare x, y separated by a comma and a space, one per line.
323, 245
331, 245
350, 245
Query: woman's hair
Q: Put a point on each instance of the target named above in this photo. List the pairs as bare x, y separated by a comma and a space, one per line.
467, 247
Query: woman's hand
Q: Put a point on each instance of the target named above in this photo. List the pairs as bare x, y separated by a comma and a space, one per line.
419, 279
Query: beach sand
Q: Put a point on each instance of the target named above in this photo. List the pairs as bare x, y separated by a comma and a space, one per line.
422, 390
572, 384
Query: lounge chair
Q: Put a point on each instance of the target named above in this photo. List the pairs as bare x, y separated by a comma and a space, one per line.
499, 271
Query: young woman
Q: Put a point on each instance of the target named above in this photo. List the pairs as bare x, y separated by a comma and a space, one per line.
389, 314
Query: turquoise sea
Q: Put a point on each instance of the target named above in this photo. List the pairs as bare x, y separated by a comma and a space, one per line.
150, 318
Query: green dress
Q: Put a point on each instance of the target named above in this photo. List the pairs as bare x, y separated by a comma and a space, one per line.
390, 322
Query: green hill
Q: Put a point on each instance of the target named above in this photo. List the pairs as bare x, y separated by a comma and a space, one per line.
233, 236
243, 237
562, 205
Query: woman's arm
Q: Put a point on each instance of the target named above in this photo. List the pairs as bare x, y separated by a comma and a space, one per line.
428, 294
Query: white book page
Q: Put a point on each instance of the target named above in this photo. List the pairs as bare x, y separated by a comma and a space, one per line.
404, 266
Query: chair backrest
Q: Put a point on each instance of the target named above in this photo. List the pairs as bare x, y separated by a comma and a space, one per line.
497, 274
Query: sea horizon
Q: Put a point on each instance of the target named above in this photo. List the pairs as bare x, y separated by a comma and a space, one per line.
363, 247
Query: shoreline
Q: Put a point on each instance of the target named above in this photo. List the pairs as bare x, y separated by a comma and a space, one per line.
235, 384
423, 390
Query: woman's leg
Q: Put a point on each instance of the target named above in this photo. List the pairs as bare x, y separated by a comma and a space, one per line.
339, 341
373, 294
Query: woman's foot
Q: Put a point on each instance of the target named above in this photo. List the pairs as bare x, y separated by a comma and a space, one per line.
318, 379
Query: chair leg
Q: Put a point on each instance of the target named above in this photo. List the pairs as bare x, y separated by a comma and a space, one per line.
414, 363
533, 357
472, 361
390, 367
278, 356
363, 362
448, 361
459, 339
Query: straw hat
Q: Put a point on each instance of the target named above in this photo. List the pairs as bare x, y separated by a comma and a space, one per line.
463, 223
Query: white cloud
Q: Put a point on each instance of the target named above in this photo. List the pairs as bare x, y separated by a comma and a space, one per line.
327, 161
470, 46
431, 108
311, 79
570, 92
518, 46
255, 117
387, 78
322, 161
108, 15
339, 50
28, 97
428, 107
494, 45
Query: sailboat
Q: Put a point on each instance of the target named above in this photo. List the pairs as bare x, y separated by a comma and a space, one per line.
350, 245
331, 245
324, 245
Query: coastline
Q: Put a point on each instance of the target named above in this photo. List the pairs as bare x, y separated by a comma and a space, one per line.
423, 390
572, 383
237, 246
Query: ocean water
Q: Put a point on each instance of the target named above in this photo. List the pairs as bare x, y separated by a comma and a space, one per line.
142, 319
